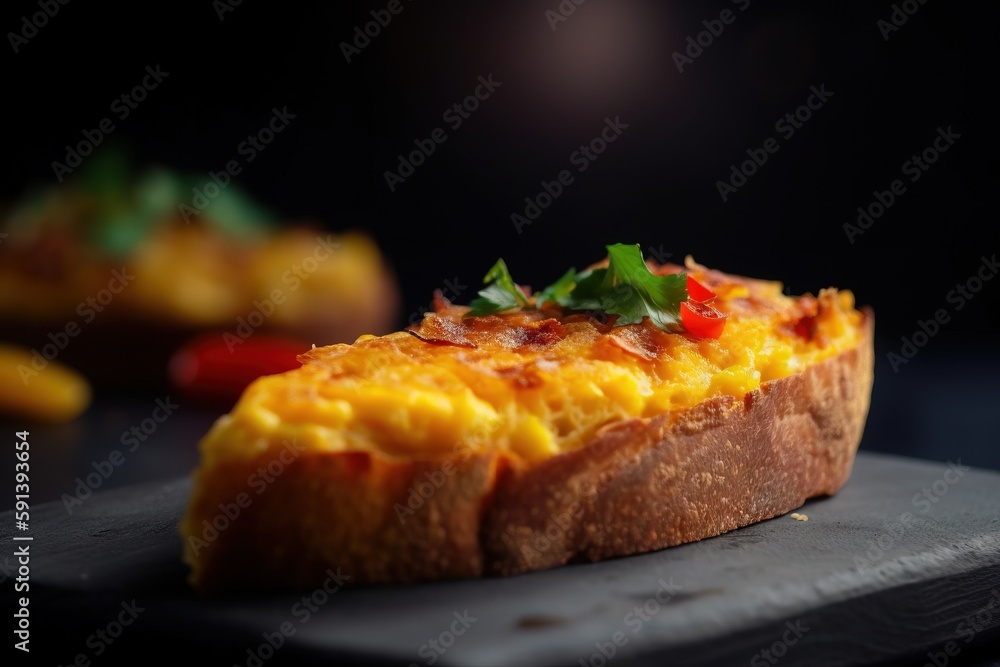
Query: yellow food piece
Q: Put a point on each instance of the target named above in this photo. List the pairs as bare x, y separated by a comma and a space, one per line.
192, 276
528, 382
51, 393
200, 278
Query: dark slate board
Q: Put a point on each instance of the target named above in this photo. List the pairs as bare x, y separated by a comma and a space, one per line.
737, 591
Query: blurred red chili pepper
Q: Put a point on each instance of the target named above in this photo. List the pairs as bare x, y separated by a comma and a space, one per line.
215, 369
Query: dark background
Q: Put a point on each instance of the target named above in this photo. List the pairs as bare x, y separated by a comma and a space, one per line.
655, 185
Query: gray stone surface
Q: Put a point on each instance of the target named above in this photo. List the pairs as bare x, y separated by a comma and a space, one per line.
900, 562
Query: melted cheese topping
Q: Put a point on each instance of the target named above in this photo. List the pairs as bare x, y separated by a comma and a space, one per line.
535, 383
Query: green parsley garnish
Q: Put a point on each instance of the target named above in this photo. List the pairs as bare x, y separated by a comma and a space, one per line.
559, 290
501, 294
626, 288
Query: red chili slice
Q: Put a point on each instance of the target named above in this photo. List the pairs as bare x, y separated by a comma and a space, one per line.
698, 292
702, 320
217, 369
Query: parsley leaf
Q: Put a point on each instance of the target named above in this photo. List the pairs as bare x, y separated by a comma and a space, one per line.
658, 297
626, 288
501, 294
560, 289
588, 291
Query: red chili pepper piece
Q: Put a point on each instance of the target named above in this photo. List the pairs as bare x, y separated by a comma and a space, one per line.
702, 320
698, 292
212, 368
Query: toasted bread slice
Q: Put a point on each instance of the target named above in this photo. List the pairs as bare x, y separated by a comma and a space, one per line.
510, 443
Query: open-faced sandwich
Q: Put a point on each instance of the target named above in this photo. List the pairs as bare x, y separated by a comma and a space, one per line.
117, 255
625, 408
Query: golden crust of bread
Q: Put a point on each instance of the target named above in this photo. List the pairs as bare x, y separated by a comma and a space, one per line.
637, 486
